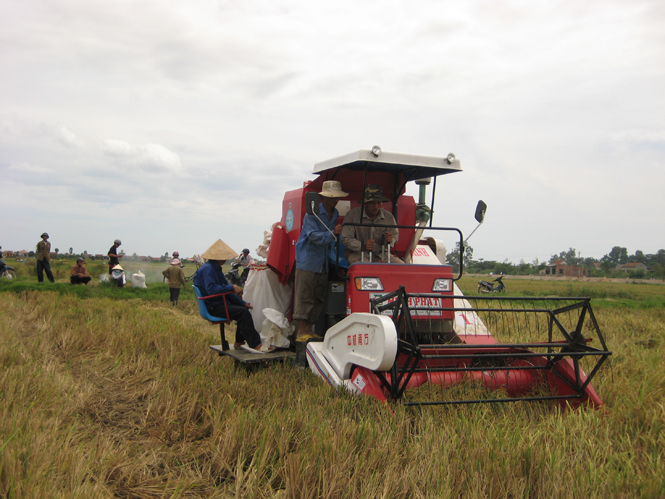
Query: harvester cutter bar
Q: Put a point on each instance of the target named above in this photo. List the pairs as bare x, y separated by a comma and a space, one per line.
414, 357
487, 401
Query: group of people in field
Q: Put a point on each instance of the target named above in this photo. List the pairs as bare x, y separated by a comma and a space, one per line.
79, 273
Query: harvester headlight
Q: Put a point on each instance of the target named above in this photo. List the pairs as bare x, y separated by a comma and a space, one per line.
451, 158
368, 284
442, 285
376, 151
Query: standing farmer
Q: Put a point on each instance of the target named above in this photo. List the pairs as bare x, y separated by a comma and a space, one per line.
113, 255
176, 277
312, 259
44, 259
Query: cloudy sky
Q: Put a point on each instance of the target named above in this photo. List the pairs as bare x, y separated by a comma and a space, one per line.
170, 124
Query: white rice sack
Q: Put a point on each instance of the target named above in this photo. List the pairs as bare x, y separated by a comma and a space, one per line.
263, 290
275, 329
138, 280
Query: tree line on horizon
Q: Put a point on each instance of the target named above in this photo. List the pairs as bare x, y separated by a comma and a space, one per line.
655, 263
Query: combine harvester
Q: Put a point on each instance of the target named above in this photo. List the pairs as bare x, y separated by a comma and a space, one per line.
405, 331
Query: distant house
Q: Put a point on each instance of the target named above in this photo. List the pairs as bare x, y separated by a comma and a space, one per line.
9, 254
561, 268
630, 267
143, 259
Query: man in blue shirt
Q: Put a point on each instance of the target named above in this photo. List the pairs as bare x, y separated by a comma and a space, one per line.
211, 281
312, 259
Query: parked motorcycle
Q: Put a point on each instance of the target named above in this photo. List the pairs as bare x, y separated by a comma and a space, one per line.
235, 277
488, 287
6, 271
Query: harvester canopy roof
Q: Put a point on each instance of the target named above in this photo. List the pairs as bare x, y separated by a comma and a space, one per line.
411, 166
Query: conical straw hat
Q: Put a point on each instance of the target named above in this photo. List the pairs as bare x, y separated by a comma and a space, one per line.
219, 251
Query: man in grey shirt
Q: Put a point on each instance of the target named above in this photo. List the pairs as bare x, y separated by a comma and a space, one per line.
376, 241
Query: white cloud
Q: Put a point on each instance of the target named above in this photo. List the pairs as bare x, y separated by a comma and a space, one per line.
159, 158
68, 137
150, 157
119, 148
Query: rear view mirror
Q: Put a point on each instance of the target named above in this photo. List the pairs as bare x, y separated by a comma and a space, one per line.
312, 202
480, 211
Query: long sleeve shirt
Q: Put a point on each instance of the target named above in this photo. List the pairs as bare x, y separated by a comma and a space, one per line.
314, 241
211, 281
175, 276
354, 237
43, 250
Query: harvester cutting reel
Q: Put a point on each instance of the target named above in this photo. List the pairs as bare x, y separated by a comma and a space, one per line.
425, 355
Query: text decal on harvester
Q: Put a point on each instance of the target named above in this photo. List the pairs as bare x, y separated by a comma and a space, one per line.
357, 339
428, 306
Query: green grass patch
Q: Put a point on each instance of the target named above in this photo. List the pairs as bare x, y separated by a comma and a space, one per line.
603, 294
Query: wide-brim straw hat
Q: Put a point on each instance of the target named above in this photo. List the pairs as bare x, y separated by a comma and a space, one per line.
332, 189
373, 192
175, 261
117, 267
219, 251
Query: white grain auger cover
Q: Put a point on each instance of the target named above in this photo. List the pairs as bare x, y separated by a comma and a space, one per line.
362, 339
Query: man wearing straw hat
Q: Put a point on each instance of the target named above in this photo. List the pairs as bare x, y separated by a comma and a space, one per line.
312, 259
211, 281
370, 243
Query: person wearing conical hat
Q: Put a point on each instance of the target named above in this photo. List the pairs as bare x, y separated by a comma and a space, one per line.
211, 281
118, 276
312, 259
370, 243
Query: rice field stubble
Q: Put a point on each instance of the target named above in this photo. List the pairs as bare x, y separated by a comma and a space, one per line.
105, 397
